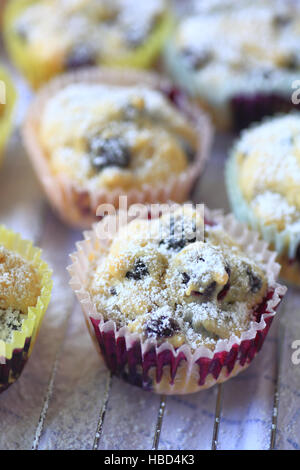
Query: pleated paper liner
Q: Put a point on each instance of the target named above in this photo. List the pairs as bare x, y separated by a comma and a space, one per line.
15, 353
285, 242
163, 368
37, 73
77, 206
6, 118
241, 109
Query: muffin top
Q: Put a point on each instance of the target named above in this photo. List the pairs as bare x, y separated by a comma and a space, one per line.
175, 277
20, 286
268, 158
106, 136
242, 45
83, 32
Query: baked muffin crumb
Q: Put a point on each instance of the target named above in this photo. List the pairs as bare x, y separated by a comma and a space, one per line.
268, 159
20, 283
196, 292
113, 136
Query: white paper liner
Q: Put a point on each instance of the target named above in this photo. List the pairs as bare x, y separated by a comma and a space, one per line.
66, 196
248, 240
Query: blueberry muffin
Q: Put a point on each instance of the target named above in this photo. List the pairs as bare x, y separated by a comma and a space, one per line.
238, 59
170, 285
47, 37
263, 182
20, 286
25, 289
108, 134
181, 286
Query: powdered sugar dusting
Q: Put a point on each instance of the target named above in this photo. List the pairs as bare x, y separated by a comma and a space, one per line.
10, 321
107, 28
259, 46
19, 282
185, 290
269, 163
80, 120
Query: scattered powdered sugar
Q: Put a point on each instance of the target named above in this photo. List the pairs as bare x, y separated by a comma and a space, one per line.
19, 282
259, 46
269, 161
10, 321
53, 28
153, 136
194, 291
273, 206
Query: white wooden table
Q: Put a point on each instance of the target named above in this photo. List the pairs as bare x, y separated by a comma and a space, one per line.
66, 399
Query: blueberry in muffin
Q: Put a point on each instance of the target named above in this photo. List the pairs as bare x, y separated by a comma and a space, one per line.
176, 318
194, 293
20, 286
96, 135
238, 59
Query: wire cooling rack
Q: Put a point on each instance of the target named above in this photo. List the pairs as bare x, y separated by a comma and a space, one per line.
66, 399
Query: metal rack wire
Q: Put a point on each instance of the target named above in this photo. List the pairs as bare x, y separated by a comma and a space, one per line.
162, 407
218, 407
158, 419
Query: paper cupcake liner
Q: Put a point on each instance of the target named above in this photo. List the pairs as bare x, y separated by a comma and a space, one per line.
37, 72
14, 354
238, 111
285, 242
6, 120
77, 206
163, 368
247, 109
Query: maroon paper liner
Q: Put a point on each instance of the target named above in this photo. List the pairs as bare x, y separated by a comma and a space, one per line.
246, 109
159, 367
134, 367
12, 369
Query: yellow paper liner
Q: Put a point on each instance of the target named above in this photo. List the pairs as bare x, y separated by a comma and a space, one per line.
6, 119
22, 342
38, 73
77, 206
124, 345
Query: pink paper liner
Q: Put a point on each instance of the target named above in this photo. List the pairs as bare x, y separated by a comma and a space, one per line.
162, 368
77, 206
11, 370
